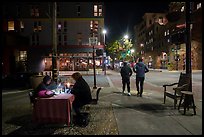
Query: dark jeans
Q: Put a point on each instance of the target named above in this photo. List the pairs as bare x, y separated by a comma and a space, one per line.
128, 85
139, 84
77, 105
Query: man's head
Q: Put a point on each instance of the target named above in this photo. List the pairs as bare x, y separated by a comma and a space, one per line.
140, 59
124, 63
76, 76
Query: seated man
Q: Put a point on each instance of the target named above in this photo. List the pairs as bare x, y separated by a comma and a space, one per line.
82, 92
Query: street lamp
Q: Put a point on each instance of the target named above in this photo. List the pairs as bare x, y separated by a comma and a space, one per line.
92, 42
104, 56
126, 36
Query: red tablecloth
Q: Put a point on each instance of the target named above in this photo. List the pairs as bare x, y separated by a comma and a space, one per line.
56, 109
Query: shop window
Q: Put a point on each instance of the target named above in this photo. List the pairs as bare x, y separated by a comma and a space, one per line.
11, 25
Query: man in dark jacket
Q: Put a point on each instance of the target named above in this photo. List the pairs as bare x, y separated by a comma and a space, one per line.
81, 91
126, 72
140, 69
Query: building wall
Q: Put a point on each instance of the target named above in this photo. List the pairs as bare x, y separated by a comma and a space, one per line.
78, 16
162, 42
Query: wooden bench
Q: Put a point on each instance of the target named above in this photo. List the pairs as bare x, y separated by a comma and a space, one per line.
182, 85
96, 92
188, 98
94, 101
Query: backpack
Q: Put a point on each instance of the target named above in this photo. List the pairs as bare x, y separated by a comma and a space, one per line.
81, 120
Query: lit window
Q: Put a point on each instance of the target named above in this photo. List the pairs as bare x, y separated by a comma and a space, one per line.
168, 40
10, 25
167, 32
95, 10
198, 5
23, 56
95, 14
22, 24
100, 10
182, 9
59, 26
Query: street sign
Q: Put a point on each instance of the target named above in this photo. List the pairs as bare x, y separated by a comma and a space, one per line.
104, 54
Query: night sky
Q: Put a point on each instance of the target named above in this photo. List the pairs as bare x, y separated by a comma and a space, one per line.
120, 17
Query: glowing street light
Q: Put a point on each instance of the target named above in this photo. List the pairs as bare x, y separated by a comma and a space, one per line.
104, 38
126, 36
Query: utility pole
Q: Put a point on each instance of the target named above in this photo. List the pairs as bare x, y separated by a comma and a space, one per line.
177, 59
92, 42
188, 41
94, 68
54, 46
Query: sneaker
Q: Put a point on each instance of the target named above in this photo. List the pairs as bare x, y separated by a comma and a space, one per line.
138, 94
129, 94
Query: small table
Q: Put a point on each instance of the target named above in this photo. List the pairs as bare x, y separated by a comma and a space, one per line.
188, 100
56, 109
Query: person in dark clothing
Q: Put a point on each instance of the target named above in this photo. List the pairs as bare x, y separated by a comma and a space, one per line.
140, 69
81, 91
126, 72
44, 85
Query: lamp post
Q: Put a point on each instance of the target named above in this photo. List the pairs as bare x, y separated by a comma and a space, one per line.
104, 56
92, 42
54, 47
132, 52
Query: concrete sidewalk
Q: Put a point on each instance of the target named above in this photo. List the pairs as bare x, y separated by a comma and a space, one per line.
148, 115
145, 115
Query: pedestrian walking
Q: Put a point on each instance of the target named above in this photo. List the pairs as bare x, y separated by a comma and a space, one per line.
126, 72
140, 69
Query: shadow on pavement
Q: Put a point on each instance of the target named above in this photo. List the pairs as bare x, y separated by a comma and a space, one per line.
149, 108
27, 127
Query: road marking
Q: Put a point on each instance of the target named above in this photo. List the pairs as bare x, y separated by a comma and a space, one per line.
16, 91
109, 81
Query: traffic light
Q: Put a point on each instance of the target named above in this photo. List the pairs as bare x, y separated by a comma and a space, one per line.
128, 51
172, 49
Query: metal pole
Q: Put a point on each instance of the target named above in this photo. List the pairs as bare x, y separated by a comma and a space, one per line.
104, 58
188, 42
54, 48
176, 57
94, 68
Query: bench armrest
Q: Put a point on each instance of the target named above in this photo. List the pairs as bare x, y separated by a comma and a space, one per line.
170, 84
180, 87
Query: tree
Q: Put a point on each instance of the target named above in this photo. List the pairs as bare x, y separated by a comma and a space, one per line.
120, 49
